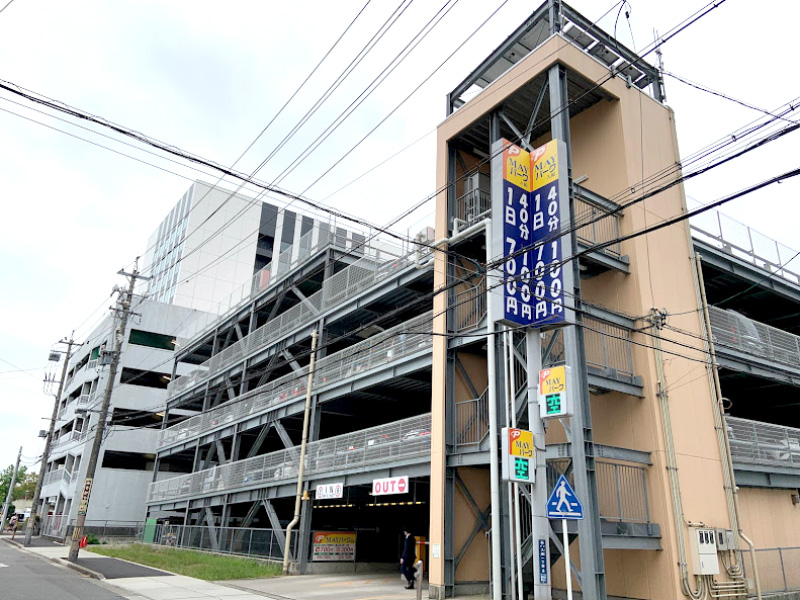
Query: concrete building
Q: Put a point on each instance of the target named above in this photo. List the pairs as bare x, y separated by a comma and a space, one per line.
414, 378
127, 455
216, 247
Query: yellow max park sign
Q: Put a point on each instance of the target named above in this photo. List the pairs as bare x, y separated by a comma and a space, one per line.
520, 442
552, 381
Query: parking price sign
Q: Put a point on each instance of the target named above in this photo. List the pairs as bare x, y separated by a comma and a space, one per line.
519, 455
527, 222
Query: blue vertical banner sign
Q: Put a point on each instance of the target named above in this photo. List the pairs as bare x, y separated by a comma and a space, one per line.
528, 213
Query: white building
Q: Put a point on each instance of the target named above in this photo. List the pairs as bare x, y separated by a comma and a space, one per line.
216, 246
125, 464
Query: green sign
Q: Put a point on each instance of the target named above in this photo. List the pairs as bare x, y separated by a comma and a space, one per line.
521, 468
553, 404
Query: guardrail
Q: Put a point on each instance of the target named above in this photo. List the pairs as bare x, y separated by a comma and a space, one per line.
346, 284
387, 347
756, 443
736, 332
608, 347
603, 228
57, 475
472, 421
469, 308
745, 243
289, 259
355, 451
777, 568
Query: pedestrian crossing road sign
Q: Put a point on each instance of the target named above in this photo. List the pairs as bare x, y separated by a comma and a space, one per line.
563, 503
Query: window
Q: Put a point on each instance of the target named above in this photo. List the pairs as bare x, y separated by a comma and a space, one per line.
95, 353
144, 378
135, 461
152, 340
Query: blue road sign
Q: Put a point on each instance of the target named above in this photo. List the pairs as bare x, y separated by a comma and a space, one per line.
563, 503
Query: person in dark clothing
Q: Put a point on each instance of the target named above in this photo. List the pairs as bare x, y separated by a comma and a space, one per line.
408, 558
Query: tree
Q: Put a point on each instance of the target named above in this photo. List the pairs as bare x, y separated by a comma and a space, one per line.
5, 481
26, 484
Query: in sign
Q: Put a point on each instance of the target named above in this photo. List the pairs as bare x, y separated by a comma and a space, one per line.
390, 485
328, 491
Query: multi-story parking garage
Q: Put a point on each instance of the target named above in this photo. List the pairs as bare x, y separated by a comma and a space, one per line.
370, 413
412, 380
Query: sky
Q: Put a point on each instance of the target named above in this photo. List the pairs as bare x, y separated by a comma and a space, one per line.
208, 77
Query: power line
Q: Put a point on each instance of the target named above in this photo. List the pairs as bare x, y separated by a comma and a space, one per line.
6, 6
708, 90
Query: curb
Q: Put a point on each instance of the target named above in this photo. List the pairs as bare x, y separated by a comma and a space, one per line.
59, 561
80, 569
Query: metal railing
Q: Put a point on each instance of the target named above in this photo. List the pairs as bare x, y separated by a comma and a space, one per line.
92, 364
608, 348
756, 443
347, 284
57, 475
83, 400
263, 279
473, 204
621, 488
745, 243
244, 541
469, 308
54, 526
109, 529
777, 568
404, 439
604, 229
736, 332
472, 421
384, 348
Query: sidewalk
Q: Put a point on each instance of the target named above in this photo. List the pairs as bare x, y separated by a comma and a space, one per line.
135, 582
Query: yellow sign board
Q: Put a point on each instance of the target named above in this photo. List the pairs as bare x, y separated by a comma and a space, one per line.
553, 397
520, 442
544, 165
553, 380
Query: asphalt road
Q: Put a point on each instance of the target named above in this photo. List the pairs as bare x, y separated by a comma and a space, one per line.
24, 576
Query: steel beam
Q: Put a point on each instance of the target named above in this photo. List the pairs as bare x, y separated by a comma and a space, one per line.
590, 535
276, 524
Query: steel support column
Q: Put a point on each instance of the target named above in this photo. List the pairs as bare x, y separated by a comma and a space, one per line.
589, 532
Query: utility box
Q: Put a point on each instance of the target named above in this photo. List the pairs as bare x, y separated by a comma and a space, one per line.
703, 543
725, 540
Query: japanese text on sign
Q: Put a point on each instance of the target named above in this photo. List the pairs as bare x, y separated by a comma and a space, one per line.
530, 212
519, 455
553, 398
334, 546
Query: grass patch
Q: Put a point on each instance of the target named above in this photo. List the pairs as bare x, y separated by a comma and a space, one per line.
202, 565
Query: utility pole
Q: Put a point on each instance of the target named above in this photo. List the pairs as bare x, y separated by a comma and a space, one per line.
48, 441
124, 308
10, 491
